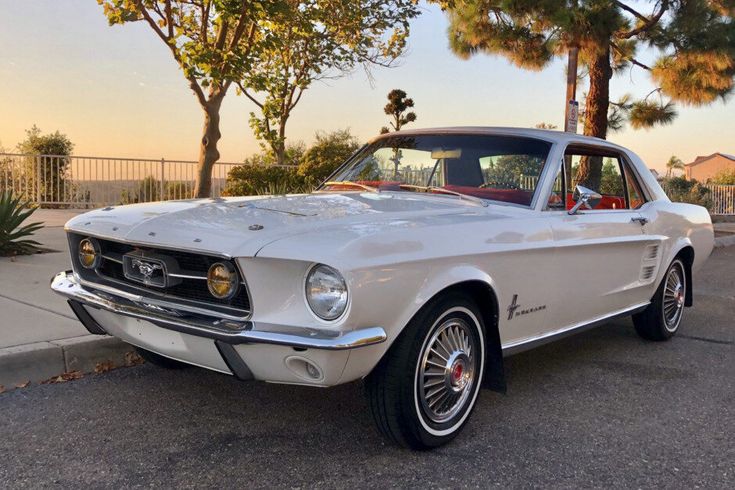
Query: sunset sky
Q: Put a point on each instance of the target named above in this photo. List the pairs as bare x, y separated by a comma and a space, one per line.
116, 91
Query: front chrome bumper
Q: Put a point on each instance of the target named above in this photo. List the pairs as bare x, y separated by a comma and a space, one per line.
223, 331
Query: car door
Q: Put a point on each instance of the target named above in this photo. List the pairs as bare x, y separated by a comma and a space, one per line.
600, 253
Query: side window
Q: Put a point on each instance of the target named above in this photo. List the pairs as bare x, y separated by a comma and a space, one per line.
557, 198
600, 173
635, 196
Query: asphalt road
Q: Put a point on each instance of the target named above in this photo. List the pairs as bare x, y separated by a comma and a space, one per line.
601, 409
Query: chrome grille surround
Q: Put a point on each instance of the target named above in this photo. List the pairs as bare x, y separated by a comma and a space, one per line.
187, 292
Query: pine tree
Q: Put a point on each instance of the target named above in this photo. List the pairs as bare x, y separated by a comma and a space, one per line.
694, 41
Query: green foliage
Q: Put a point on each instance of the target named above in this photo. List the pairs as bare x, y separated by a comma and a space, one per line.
317, 40
254, 178
611, 182
726, 177
306, 168
48, 175
646, 114
398, 108
674, 163
693, 41
214, 42
329, 151
680, 189
14, 235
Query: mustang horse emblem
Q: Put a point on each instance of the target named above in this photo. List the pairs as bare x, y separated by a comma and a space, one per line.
146, 268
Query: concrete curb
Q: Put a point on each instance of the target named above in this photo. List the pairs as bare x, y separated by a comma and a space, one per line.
40, 361
724, 241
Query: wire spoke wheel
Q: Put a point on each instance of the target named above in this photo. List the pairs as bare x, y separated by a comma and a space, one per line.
448, 370
674, 294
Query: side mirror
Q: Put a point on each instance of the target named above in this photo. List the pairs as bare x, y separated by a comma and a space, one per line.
584, 197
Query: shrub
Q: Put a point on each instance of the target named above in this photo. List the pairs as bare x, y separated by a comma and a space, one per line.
53, 182
329, 151
305, 170
726, 177
680, 189
14, 238
253, 179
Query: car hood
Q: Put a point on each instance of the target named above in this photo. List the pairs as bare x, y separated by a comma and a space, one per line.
240, 227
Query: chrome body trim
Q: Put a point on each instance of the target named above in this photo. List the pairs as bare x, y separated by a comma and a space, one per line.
139, 298
526, 344
228, 331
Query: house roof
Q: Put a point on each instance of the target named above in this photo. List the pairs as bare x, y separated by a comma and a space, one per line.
701, 159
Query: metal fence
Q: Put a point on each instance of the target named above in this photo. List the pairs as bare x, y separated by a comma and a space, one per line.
723, 199
88, 182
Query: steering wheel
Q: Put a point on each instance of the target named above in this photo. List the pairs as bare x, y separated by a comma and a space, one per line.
499, 185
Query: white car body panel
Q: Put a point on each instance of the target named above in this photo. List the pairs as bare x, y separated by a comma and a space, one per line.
398, 250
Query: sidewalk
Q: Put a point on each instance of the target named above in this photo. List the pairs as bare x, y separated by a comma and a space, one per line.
39, 335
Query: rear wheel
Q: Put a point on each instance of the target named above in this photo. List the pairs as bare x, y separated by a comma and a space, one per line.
159, 360
661, 319
424, 389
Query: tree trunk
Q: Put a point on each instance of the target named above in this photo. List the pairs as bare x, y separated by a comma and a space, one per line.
208, 153
280, 147
595, 117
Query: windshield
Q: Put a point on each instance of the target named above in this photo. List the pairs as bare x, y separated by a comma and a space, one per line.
498, 168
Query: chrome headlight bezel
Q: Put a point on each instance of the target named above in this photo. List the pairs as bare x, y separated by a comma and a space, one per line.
96, 253
328, 282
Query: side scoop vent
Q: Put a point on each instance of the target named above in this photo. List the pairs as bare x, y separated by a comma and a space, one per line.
649, 263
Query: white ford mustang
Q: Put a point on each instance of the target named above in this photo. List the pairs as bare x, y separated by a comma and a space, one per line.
427, 257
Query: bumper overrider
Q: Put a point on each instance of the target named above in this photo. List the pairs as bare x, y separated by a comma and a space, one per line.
196, 339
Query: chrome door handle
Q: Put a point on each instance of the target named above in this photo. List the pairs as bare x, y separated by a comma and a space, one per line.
640, 220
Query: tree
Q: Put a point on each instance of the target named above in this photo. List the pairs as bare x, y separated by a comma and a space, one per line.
214, 43
329, 151
396, 108
726, 177
317, 40
674, 163
47, 174
692, 39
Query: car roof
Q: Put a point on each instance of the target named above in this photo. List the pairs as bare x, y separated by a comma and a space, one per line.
543, 134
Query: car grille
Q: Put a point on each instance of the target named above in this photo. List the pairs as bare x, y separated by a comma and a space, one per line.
189, 292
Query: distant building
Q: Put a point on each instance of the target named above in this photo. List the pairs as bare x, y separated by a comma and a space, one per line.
707, 167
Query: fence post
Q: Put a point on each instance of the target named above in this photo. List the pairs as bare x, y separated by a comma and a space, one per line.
38, 179
163, 179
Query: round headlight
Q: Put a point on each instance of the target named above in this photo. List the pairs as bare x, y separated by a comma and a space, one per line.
89, 253
326, 292
222, 280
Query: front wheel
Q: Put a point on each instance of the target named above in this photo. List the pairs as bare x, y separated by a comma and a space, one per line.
424, 389
661, 319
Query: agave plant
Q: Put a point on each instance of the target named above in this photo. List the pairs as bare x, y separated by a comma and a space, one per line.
14, 237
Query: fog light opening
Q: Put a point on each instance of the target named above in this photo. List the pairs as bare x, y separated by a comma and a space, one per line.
304, 368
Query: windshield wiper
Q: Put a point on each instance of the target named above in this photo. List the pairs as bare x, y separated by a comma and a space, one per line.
429, 188
365, 187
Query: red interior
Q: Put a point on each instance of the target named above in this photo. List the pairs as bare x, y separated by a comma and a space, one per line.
516, 196
607, 202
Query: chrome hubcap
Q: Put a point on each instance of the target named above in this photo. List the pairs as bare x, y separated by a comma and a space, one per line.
447, 374
674, 295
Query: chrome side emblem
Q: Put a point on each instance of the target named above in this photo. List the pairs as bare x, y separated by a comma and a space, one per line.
255, 227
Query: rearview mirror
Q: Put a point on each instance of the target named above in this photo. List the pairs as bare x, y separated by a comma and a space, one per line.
438, 153
584, 197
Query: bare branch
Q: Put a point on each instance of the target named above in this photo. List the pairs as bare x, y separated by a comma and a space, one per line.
245, 92
648, 23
